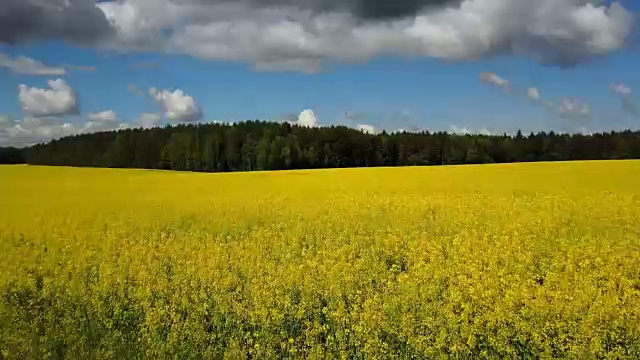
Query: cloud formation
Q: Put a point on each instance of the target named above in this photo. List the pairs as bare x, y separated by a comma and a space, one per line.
304, 35
568, 107
4, 121
369, 129
363, 9
93, 127
621, 89
102, 121
104, 117
59, 100
27, 66
533, 94
459, 130
23, 65
493, 79
177, 105
573, 108
78, 21
307, 118
465, 131
629, 104
30, 131
148, 120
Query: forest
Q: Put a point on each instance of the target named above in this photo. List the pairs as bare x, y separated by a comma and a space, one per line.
11, 155
259, 145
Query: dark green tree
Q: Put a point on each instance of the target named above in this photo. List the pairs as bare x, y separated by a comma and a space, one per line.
255, 145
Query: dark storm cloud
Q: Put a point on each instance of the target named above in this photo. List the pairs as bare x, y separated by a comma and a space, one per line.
365, 9
306, 35
77, 21
391, 9
375, 9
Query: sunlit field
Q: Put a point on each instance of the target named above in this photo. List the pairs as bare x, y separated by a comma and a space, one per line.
491, 261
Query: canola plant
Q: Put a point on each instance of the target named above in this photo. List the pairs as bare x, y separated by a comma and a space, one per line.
493, 261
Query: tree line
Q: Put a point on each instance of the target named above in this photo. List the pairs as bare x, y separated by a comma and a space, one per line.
11, 155
258, 145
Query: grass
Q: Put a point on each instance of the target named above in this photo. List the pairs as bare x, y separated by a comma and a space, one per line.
518, 261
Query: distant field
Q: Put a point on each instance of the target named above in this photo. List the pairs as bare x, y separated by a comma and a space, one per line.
491, 261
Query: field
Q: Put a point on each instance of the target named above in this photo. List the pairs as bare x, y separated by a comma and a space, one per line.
493, 261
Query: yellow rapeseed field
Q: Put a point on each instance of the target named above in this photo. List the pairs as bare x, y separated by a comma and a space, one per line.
493, 261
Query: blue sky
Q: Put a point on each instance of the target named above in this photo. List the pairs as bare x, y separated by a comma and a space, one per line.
387, 91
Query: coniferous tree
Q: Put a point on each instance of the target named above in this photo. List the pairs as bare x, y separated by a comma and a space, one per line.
255, 145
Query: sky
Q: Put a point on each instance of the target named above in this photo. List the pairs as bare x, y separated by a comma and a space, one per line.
465, 66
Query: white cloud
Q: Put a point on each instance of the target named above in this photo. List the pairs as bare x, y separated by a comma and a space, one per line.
629, 104
567, 108
104, 117
459, 130
28, 66
149, 120
67, 129
369, 129
59, 100
494, 79
91, 127
17, 131
533, 93
30, 131
5, 121
621, 89
177, 105
103, 121
301, 36
34, 123
573, 108
584, 131
307, 118
465, 131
